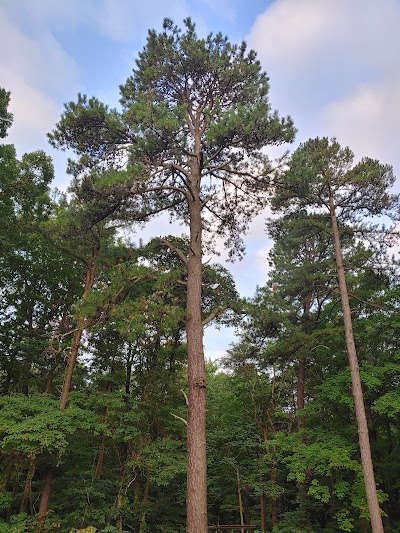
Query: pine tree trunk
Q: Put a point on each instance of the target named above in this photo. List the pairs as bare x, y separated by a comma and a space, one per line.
76, 341
274, 509
240, 499
119, 501
263, 500
146, 492
301, 422
27, 496
301, 375
45, 497
196, 504
362, 426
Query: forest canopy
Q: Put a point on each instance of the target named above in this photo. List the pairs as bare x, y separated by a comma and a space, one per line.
111, 419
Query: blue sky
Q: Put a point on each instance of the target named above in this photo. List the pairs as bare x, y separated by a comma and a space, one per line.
334, 65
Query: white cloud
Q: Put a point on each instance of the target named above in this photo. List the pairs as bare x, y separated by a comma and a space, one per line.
37, 72
118, 20
47, 14
287, 33
262, 258
334, 66
121, 19
216, 355
368, 118
39, 61
34, 114
307, 34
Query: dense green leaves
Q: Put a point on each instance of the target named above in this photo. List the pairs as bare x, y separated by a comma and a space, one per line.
6, 117
282, 439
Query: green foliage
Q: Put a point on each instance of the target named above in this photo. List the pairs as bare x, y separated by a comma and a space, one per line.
344, 521
119, 448
19, 523
320, 168
6, 117
35, 425
180, 76
100, 128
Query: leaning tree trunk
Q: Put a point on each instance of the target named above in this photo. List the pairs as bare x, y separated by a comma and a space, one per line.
301, 377
196, 502
362, 426
301, 420
240, 500
76, 341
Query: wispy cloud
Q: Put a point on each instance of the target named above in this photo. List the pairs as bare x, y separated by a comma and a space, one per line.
37, 71
368, 119
334, 66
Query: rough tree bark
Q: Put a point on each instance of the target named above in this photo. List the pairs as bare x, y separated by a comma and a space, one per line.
76, 340
196, 504
362, 426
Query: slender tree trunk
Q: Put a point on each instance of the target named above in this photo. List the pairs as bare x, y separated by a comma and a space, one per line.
56, 357
301, 421
240, 498
49, 474
120, 498
27, 365
100, 459
263, 500
301, 375
6, 474
45, 497
49, 380
196, 503
362, 426
146, 492
274, 509
27, 496
76, 340
272, 461
246, 508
